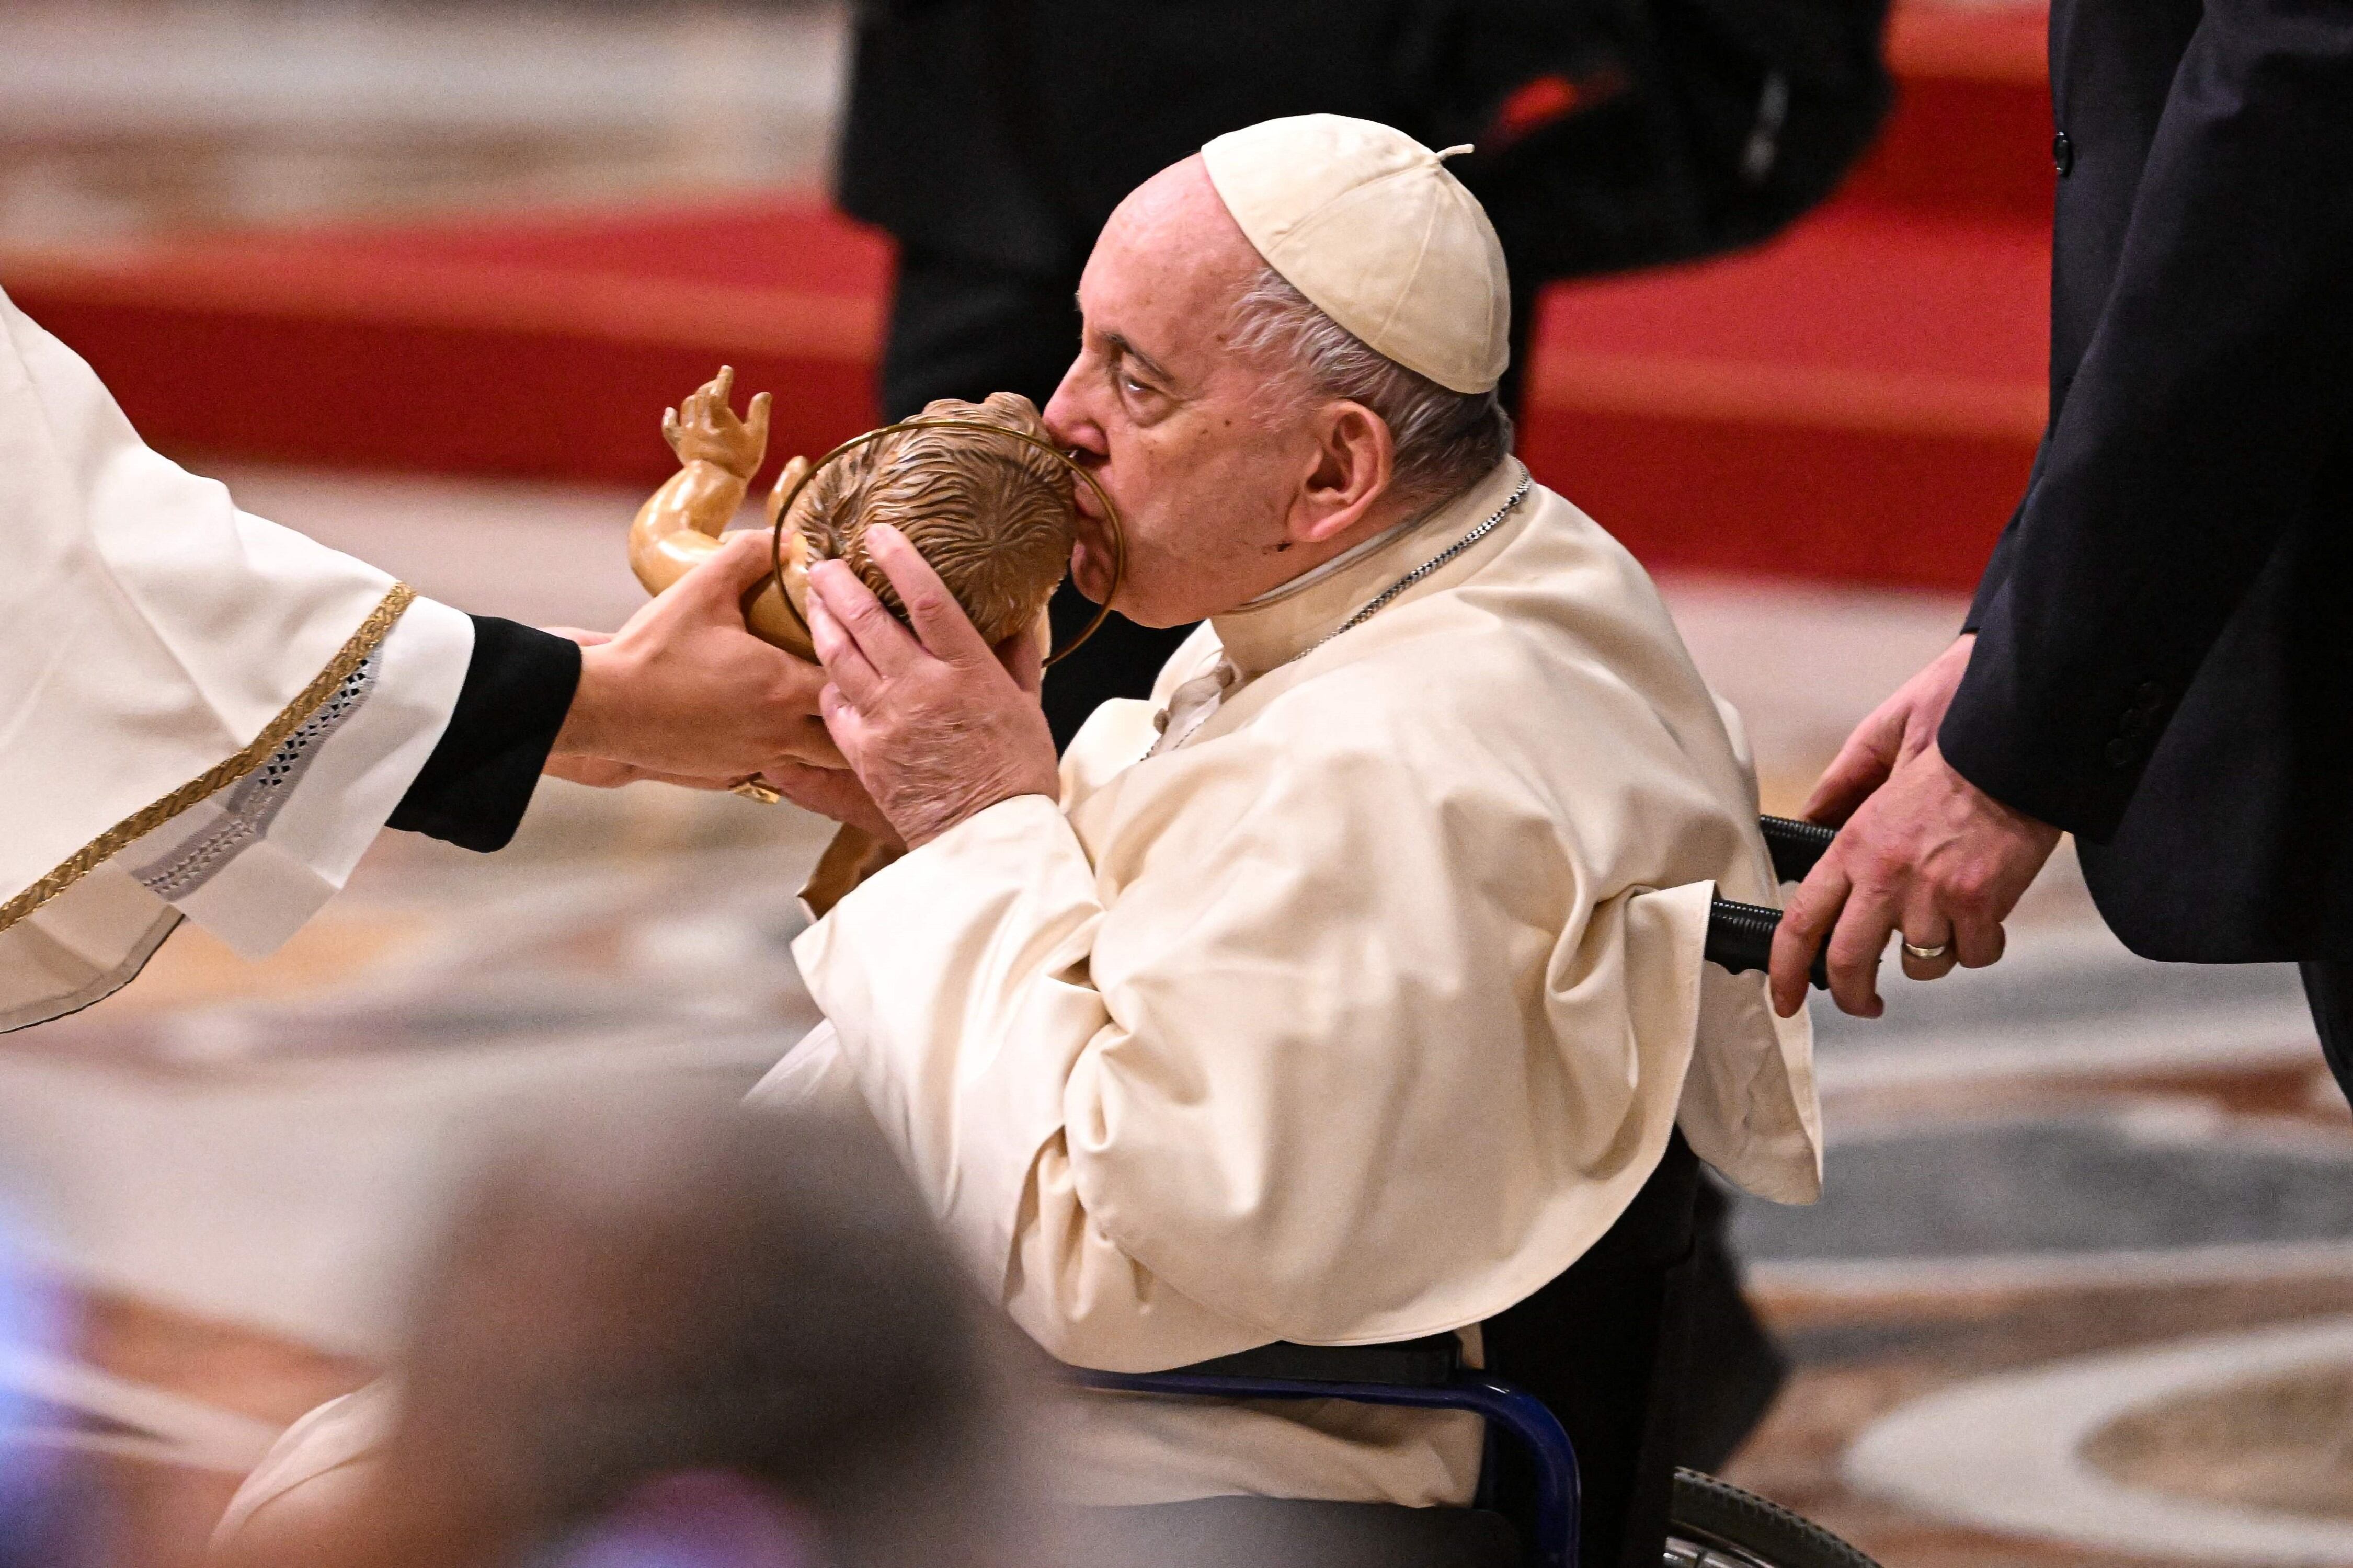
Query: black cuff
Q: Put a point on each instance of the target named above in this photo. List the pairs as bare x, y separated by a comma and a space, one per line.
472, 789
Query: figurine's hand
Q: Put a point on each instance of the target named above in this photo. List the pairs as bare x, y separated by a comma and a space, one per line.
706, 430
938, 725
685, 690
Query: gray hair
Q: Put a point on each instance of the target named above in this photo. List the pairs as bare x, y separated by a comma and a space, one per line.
1445, 439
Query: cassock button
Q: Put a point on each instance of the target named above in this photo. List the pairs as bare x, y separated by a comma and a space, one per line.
2120, 754
2063, 155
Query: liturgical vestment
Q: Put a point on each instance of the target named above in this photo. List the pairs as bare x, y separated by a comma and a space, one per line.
1353, 1010
204, 715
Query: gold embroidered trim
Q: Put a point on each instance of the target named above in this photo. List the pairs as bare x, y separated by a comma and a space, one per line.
212, 781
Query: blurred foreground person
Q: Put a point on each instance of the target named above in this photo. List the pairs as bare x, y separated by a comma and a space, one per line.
661, 1339
206, 716
1351, 989
2159, 659
51, 1516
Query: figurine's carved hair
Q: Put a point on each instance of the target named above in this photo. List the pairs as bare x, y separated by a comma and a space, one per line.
996, 518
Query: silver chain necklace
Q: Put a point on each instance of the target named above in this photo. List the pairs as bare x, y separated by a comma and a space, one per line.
1382, 600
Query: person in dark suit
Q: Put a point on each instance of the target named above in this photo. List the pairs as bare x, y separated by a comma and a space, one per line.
2158, 659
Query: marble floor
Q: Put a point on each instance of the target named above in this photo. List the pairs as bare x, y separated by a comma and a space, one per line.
2077, 1185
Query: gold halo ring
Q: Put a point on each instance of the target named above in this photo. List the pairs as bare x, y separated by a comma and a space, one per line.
1110, 516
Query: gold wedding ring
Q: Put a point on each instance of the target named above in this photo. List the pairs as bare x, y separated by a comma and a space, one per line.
1112, 523
1914, 950
750, 787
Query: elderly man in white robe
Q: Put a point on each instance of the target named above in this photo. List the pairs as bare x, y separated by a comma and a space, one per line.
1351, 989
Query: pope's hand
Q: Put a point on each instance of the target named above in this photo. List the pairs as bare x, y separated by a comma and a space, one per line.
1923, 853
835, 793
684, 691
937, 725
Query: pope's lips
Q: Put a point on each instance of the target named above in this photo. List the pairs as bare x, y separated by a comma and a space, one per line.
1091, 564
1092, 534
1091, 552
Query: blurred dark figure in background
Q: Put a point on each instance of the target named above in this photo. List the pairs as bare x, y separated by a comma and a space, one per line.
993, 138
674, 1339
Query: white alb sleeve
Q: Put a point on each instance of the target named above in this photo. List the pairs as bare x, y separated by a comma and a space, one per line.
254, 862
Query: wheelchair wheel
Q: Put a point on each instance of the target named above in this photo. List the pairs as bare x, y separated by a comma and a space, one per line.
1714, 1525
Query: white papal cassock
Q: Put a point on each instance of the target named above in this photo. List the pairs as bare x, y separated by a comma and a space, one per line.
1355, 1014
201, 714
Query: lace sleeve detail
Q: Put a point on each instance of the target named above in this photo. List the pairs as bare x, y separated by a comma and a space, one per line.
241, 813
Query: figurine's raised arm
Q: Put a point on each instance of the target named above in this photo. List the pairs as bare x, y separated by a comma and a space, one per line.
681, 523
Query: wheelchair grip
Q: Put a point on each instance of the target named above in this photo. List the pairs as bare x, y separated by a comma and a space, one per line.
1740, 938
1795, 845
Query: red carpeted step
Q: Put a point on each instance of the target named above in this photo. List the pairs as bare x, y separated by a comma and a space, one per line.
1859, 400
534, 345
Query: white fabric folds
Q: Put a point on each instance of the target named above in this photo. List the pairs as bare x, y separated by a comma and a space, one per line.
1358, 1013
160, 651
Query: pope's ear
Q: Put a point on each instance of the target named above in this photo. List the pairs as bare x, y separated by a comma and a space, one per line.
1356, 467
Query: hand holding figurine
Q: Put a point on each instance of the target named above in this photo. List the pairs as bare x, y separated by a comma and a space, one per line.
684, 690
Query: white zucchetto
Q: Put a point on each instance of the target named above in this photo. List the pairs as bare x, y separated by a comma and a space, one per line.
1368, 224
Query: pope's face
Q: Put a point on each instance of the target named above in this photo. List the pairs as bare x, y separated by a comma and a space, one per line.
1204, 466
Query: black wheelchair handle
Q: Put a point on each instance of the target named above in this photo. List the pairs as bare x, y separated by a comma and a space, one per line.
1740, 938
1795, 845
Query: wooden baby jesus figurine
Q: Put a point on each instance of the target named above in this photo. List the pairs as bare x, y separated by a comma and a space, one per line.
994, 517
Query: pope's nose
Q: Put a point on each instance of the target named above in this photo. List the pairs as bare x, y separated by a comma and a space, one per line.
1067, 423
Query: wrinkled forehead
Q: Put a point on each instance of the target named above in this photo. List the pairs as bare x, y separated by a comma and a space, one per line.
1172, 261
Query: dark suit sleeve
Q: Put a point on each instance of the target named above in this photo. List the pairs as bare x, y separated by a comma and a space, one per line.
2213, 387
472, 789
